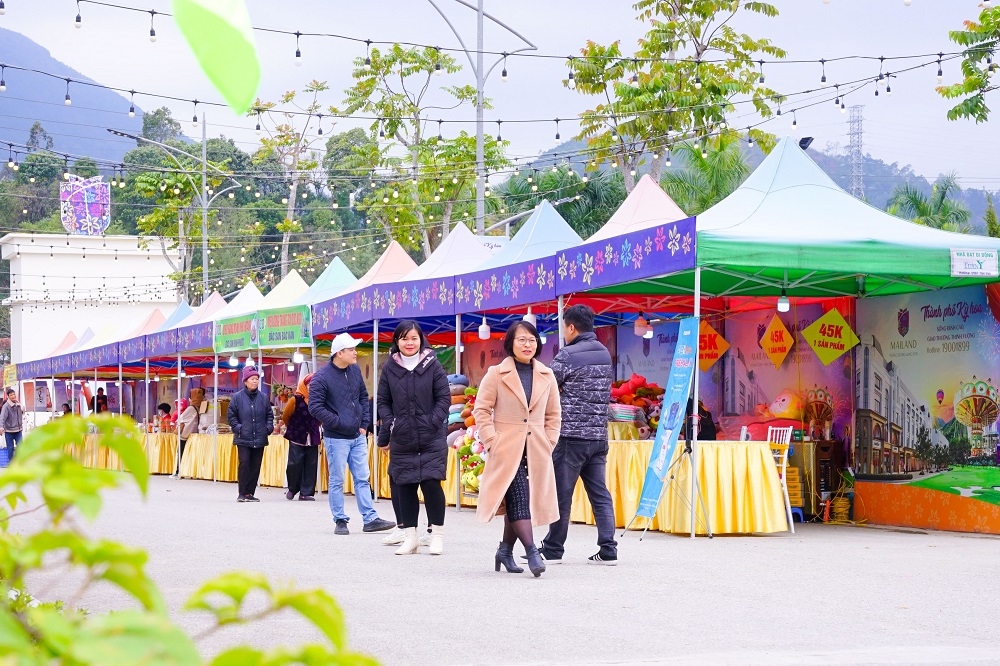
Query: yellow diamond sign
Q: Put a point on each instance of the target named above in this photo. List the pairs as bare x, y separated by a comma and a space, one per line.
777, 341
711, 346
830, 336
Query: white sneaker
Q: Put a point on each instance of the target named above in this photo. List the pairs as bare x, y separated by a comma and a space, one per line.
395, 537
425, 539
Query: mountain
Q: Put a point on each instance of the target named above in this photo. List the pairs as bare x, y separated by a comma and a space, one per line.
880, 178
76, 130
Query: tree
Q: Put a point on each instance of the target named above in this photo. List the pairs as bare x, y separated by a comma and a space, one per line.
938, 210
679, 84
38, 138
47, 481
289, 144
992, 227
707, 177
435, 182
924, 449
979, 41
160, 125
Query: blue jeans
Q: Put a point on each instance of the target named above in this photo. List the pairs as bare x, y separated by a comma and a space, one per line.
352, 453
12, 439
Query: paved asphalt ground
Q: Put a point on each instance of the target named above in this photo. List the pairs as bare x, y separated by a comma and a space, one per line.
827, 595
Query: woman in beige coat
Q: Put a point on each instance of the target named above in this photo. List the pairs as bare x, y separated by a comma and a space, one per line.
518, 416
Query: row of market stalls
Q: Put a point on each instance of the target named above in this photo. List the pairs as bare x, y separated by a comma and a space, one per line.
788, 232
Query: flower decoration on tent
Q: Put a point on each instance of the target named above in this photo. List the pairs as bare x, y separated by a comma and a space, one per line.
390, 301
572, 270
649, 245
675, 241
451, 297
587, 266
434, 290
364, 302
688, 239
460, 291
552, 279
514, 289
522, 279
626, 253
421, 301
427, 294
506, 283
614, 259
406, 294
487, 290
531, 273
637, 256
477, 293
563, 266
445, 295
659, 239
357, 299
541, 277
599, 262
414, 297
493, 282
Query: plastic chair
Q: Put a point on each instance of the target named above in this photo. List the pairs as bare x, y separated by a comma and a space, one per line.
780, 440
744, 434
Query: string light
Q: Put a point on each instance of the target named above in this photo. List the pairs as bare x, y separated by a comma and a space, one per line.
498, 131
152, 29
3, 70
79, 20
194, 117
571, 81
68, 100
503, 72
761, 78
557, 129
697, 75
131, 104
368, 59
298, 53
822, 79
940, 73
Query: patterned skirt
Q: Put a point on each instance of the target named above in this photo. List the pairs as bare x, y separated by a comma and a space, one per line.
517, 501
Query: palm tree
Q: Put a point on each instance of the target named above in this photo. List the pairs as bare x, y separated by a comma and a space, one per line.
938, 210
707, 177
586, 204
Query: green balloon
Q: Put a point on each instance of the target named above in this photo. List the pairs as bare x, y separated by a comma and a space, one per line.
220, 34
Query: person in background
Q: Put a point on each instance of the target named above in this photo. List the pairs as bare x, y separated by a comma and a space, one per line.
339, 399
302, 433
707, 429
413, 402
583, 371
163, 414
12, 420
66, 411
518, 415
187, 422
99, 403
251, 418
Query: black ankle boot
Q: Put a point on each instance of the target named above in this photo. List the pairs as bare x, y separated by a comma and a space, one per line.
505, 556
535, 561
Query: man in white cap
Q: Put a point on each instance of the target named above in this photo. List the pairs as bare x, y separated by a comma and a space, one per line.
339, 399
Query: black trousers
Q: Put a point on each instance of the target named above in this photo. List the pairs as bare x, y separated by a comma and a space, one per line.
248, 473
409, 505
180, 458
301, 469
586, 460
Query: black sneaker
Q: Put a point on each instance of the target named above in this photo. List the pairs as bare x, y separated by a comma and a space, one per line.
289, 495
341, 529
548, 558
379, 525
306, 498
250, 498
608, 561
241, 498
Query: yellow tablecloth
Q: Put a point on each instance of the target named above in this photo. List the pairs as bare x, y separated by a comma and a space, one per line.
161, 452
739, 482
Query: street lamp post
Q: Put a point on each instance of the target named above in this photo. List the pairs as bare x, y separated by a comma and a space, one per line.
203, 197
481, 77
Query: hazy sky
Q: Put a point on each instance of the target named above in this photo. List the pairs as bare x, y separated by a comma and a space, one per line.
909, 127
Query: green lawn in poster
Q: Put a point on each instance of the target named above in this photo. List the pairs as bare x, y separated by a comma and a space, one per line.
980, 483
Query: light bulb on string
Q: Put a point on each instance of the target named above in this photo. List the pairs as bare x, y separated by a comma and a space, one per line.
697, 74
498, 131
368, 58
298, 53
940, 72
557, 129
503, 72
194, 117
67, 101
152, 29
79, 19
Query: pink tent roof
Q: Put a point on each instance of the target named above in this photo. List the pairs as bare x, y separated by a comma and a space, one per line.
647, 206
204, 312
393, 265
149, 324
68, 341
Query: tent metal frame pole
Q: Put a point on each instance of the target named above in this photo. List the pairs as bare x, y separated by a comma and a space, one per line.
560, 311
72, 393
320, 445
215, 421
145, 408
458, 371
376, 453
52, 398
694, 405
121, 391
177, 466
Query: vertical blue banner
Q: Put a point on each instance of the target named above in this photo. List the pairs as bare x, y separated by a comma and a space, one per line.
671, 416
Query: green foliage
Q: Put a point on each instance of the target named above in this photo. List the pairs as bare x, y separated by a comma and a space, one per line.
938, 210
435, 183
680, 83
979, 41
159, 125
46, 633
38, 138
705, 181
992, 227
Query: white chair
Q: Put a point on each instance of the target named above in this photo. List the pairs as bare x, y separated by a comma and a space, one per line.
780, 439
745, 434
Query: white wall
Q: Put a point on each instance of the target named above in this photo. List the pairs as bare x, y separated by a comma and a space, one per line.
55, 290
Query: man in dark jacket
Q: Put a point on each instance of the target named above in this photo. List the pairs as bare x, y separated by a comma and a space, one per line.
584, 374
339, 399
252, 420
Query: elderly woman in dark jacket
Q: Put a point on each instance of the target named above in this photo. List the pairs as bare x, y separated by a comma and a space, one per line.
252, 420
302, 433
413, 402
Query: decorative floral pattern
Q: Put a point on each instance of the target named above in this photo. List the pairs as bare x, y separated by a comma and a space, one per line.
588, 268
675, 241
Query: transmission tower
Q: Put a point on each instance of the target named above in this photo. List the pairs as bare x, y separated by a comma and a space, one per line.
857, 152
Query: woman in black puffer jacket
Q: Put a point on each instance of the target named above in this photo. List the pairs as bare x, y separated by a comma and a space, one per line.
252, 421
413, 402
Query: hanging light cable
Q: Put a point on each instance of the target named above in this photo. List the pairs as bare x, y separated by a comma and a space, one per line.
152, 27
79, 19
68, 101
503, 72
298, 53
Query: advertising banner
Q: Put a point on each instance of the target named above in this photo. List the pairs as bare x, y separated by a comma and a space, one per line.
236, 333
284, 327
974, 263
830, 337
9, 374
674, 404
711, 346
776, 341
